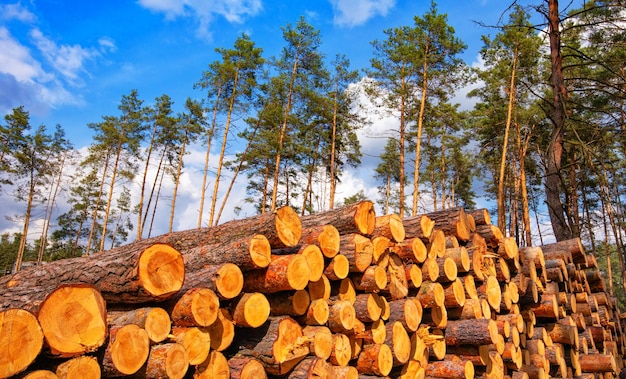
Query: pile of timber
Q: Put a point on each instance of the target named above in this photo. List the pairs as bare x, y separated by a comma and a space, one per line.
339, 294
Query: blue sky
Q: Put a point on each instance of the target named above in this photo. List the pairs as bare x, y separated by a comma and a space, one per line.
69, 63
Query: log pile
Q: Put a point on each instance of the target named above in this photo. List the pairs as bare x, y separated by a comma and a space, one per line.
340, 294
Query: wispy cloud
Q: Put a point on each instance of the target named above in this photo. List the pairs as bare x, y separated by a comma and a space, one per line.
16, 12
37, 72
357, 12
204, 12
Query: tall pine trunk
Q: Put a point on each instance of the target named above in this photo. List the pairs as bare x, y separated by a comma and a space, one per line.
218, 174
553, 183
205, 172
420, 127
94, 218
110, 195
507, 128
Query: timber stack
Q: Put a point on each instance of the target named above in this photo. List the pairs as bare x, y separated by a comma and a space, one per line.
339, 294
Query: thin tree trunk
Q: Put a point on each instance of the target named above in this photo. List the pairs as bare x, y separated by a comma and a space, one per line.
242, 159
523, 148
332, 174
553, 183
48, 218
154, 184
401, 174
110, 196
177, 182
443, 170
29, 207
94, 219
501, 204
206, 158
420, 127
143, 185
309, 183
156, 203
283, 132
223, 151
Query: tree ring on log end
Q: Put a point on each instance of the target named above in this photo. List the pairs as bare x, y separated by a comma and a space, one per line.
161, 270
288, 226
21, 340
260, 251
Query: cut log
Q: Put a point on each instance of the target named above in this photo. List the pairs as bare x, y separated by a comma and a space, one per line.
481, 216
344, 291
251, 310
420, 226
491, 233
196, 307
222, 331
79, 367
278, 344
413, 275
21, 340
359, 251
337, 269
380, 248
430, 294
406, 312
411, 249
247, 252
215, 367
572, 247
490, 290
290, 303
367, 307
126, 351
454, 368
597, 363
375, 359
246, 368
430, 269
73, 320
326, 237
373, 279
341, 353
447, 270
389, 226
354, 218
196, 341
472, 332
131, 274
399, 341
321, 340
284, 273
437, 244
226, 280
344, 372
341, 316
461, 258
317, 313
154, 320
454, 294
311, 368
398, 286
168, 360
452, 221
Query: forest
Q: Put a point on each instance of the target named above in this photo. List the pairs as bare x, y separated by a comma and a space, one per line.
547, 134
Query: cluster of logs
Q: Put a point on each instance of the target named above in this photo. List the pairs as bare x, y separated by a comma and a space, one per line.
339, 294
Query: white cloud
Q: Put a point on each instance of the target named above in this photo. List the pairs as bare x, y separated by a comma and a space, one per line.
356, 12
16, 12
235, 11
68, 60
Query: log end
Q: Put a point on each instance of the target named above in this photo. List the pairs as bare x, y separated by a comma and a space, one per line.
288, 226
329, 241
260, 251
130, 349
298, 272
365, 217
161, 270
252, 310
21, 340
73, 320
229, 281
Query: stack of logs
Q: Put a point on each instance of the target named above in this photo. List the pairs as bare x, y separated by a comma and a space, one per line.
339, 294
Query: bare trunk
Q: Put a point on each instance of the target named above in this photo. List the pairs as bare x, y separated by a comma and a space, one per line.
94, 219
22, 248
501, 203
51, 199
332, 174
242, 159
143, 185
283, 132
110, 196
401, 175
177, 182
525, 204
156, 202
206, 159
420, 125
553, 182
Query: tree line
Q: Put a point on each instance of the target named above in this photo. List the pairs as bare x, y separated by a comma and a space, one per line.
547, 132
